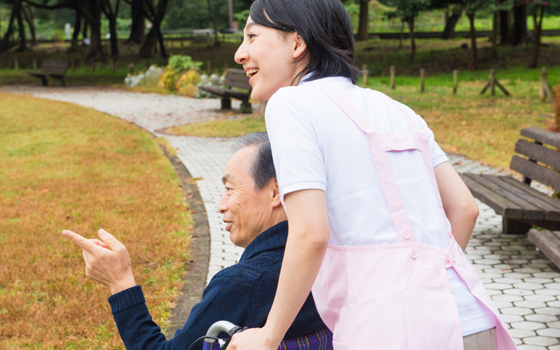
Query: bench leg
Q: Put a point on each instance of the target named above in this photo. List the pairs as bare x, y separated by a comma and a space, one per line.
513, 227
226, 103
246, 107
44, 81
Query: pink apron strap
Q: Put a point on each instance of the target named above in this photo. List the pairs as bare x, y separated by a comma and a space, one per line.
378, 145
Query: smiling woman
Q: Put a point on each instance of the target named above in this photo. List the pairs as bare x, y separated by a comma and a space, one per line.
72, 167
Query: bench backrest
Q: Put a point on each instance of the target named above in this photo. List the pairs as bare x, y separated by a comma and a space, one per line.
237, 78
541, 157
54, 67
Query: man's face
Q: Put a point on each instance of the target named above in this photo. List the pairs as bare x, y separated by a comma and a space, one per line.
247, 211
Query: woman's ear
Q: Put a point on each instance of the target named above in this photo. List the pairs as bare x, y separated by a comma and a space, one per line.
300, 47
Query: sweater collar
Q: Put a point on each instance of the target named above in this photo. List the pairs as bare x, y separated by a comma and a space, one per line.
271, 239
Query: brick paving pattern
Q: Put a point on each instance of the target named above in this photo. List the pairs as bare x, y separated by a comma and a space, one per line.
523, 283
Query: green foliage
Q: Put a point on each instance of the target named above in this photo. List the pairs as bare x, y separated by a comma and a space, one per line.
179, 63
408, 9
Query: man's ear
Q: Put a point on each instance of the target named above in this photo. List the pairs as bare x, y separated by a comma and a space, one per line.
275, 193
300, 47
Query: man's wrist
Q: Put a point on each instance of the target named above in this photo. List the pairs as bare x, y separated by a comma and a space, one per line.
122, 285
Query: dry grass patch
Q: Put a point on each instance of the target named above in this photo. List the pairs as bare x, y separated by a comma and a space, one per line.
481, 127
221, 128
68, 167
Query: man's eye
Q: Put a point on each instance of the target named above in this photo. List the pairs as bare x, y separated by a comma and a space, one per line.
251, 36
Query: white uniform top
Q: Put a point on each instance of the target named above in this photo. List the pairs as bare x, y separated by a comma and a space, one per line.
315, 145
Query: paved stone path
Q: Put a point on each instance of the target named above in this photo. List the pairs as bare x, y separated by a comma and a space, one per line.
523, 283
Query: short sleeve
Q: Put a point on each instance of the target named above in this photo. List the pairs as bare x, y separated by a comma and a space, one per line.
437, 155
296, 146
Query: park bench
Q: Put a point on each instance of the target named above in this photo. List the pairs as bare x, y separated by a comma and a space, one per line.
523, 206
237, 83
53, 69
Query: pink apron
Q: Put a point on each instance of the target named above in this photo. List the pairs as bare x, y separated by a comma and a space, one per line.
396, 296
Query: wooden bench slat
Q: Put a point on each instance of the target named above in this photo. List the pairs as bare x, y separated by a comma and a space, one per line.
548, 243
538, 152
501, 205
542, 200
545, 136
530, 210
536, 172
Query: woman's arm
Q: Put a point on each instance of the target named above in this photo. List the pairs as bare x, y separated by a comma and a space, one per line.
458, 203
308, 238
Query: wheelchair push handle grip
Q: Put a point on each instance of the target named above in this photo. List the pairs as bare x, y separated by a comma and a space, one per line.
219, 327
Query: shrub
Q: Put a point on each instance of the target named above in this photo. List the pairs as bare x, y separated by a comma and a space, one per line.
167, 80
188, 83
149, 78
180, 63
213, 80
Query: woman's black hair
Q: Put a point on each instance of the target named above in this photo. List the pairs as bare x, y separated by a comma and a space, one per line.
325, 27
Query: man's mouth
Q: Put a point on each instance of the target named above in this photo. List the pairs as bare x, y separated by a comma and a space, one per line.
228, 226
252, 72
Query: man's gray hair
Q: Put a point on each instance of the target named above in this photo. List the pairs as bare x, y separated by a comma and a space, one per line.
262, 168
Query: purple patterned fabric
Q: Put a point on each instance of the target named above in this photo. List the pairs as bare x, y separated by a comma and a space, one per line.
319, 340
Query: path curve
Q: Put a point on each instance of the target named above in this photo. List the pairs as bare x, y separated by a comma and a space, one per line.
523, 283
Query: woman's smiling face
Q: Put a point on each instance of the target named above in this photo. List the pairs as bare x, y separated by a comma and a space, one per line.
270, 58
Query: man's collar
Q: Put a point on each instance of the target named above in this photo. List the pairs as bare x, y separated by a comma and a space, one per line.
273, 238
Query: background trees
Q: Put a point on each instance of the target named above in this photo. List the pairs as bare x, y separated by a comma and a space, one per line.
145, 21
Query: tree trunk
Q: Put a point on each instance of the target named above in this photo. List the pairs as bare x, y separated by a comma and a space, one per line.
137, 29
214, 23
5, 43
402, 35
449, 29
150, 42
94, 22
364, 19
10, 28
113, 39
76, 32
472, 32
21, 26
412, 41
505, 26
520, 32
111, 15
494, 35
537, 21
85, 30
155, 15
30, 19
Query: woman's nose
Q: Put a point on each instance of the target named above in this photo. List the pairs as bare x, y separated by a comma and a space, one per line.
241, 53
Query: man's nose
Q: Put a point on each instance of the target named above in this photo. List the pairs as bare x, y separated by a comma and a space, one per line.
241, 54
222, 205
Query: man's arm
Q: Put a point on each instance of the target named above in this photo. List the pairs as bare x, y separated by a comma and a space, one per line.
225, 298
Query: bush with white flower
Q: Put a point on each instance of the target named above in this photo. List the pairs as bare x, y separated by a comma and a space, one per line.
213, 80
147, 78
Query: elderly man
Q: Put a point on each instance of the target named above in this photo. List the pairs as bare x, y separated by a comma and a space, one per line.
242, 293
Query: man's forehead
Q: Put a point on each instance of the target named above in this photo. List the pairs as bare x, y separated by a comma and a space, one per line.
238, 164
